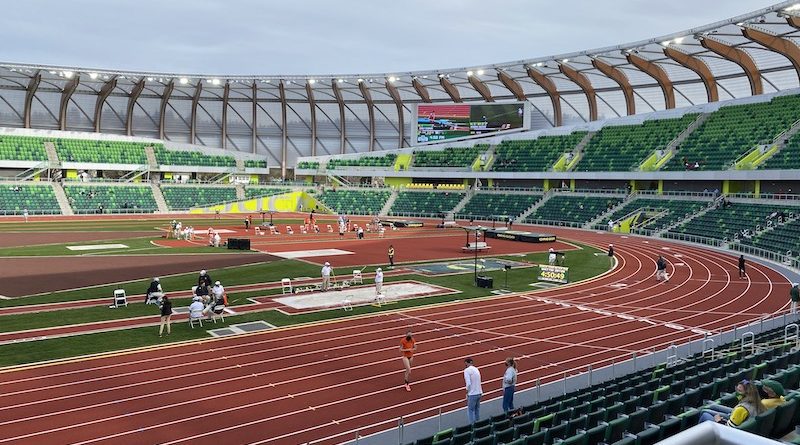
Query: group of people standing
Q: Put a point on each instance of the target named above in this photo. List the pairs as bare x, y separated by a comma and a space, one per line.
472, 378
205, 299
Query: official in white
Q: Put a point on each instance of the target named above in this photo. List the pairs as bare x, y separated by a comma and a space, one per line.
196, 308
551, 258
378, 280
326, 275
472, 377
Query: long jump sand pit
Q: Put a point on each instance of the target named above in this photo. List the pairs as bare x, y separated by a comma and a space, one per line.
359, 295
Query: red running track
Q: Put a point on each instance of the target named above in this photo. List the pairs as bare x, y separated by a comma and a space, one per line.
320, 383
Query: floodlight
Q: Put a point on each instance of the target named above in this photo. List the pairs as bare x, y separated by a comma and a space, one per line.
794, 7
564, 60
480, 72
93, 76
469, 73
441, 76
392, 79
214, 81
149, 79
424, 77
68, 74
679, 40
360, 80
340, 80
183, 81
52, 72
267, 81
312, 81
666, 43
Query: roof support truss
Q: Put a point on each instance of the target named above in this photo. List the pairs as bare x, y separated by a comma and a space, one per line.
226, 92
137, 89
254, 119
512, 85
105, 91
481, 88
284, 133
195, 100
421, 90
586, 86
621, 79
656, 72
362, 86
398, 102
699, 67
313, 105
30, 92
780, 45
450, 89
162, 116
550, 88
337, 93
69, 89
739, 57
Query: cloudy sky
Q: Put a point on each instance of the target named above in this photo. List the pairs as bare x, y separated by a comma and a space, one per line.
325, 36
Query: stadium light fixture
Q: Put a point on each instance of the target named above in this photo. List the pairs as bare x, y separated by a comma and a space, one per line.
360, 80
183, 81
480, 72
149, 79
52, 72
679, 40
794, 7
392, 79
564, 60
311, 81
340, 81
441, 76
215, 81
665, 43
424, 77
68, 74
470, 73
93, 76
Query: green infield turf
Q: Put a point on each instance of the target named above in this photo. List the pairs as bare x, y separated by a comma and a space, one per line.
583, 264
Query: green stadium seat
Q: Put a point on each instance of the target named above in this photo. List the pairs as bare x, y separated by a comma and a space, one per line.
183, 197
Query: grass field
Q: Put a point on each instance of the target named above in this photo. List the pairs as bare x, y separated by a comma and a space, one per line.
583, 264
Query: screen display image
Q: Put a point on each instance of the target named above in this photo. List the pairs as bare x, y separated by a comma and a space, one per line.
443, 122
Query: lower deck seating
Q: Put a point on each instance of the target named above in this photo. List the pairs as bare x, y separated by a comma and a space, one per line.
182, 198
425, 203
498, 206
255, 192
36, 199
355, 202
732, 221
659, 213
783, 239
111, 199
573, 208
646, 406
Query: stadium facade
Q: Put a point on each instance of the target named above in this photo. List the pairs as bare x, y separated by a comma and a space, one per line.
286, 117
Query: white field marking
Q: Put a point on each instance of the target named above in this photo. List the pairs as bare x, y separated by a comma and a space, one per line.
618, 285
3, 297
624, 237
680, 264
762, 272
356, 295
646, 242
98, 247
294, 254
678, 255
626, 317
674, 326
666, 248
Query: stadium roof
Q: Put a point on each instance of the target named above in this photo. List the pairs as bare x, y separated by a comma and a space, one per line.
746, 55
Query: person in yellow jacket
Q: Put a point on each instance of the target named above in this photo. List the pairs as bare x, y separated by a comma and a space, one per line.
750, 405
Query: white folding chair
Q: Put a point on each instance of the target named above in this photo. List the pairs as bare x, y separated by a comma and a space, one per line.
218, 312
380, 299
347, 305
289, 230
120, 299
357, 278
193, 320
286, 285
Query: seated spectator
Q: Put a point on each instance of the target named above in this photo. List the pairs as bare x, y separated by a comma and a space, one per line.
154, 292
773, 393
715, 409
749, 405
196, 308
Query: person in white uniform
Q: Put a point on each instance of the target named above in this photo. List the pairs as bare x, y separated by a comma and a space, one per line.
378, 281
326, 275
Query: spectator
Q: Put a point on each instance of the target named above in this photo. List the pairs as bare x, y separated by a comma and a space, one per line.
721, 410
794, 295
154, 292
196, 308
166, 316
472, 377
773, 390
750, 405
509, 385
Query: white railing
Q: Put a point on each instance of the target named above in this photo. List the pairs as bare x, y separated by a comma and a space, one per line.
693, 238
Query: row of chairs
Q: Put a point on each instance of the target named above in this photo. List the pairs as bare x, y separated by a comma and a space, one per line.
642, 408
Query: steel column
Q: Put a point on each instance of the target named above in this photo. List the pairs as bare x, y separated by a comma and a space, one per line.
30, 92
193, 123
284, 134
450, 89
137, 89
313, 105
226, 92
398, 102
481, 88
105, 91
254, 120
69, 89
512, 85
337, 93
621, 79
780, 45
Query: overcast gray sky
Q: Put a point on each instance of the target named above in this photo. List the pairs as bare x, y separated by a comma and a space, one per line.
326, 36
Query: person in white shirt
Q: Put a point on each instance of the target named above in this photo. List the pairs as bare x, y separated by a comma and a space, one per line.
509, 384
217, 239
326, 275
378, 280
217, 297
551, 258
196, 309
472, 377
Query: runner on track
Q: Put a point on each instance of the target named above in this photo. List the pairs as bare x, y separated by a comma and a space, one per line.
408, 346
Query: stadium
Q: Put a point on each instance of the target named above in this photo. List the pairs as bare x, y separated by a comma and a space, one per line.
366, 258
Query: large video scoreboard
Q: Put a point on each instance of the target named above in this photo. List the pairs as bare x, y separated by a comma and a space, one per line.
441, 122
